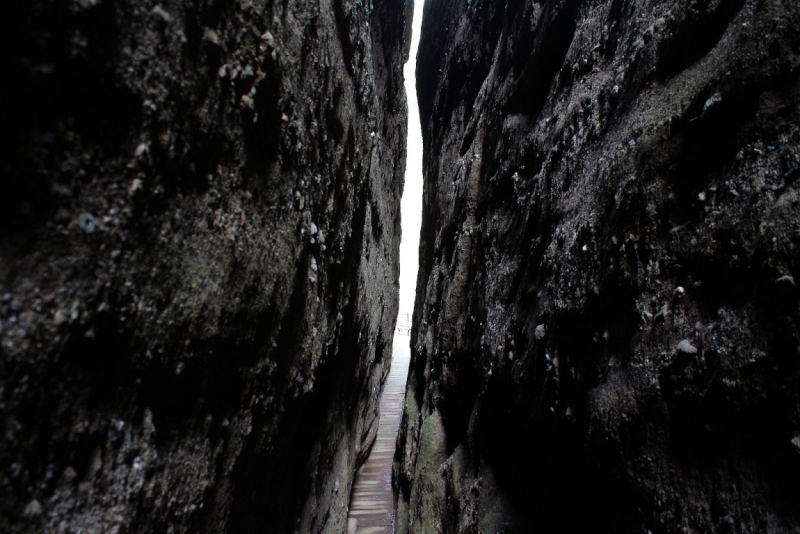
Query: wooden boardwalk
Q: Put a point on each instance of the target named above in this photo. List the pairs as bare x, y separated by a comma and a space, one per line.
372, 505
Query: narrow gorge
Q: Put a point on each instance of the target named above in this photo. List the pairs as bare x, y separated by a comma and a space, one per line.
200, 257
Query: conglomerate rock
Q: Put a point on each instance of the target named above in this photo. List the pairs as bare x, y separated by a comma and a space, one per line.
199, 229
605, 336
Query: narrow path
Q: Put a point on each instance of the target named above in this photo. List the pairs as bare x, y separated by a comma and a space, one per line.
371, 505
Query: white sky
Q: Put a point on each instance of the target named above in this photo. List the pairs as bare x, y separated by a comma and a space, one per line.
412, 194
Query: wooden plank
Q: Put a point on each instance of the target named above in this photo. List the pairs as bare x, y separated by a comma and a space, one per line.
372, 502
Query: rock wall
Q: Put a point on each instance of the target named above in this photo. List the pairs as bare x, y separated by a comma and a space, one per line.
606, 333
199, 230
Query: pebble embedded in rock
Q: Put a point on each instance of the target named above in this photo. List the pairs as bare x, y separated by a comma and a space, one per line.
686, 347
712, 103
32, 509
539, 333
87, 223
69, 474
210, 36
160, 12
247, 102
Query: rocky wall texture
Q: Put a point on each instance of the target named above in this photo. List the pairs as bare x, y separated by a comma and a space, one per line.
605, 336
199, 230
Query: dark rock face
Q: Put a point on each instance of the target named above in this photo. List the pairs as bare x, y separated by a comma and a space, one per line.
198, 260
606, 334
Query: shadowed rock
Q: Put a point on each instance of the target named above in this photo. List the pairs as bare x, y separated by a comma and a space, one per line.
604, 337
199, 230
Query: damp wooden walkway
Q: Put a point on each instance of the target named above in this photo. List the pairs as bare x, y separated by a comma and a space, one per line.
372, 505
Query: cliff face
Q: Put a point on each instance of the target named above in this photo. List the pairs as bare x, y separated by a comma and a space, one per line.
198, 260
605, 337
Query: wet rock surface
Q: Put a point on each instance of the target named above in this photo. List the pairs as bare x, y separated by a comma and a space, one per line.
605, 336
199, 230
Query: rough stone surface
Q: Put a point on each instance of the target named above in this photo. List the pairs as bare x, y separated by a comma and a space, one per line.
199, 230
605, 337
